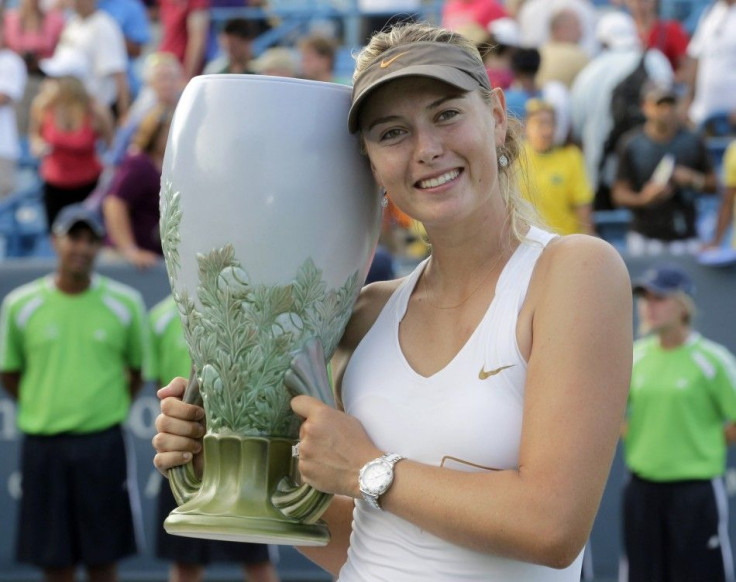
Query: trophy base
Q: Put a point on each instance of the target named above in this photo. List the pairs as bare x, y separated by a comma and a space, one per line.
246, 529
248, 494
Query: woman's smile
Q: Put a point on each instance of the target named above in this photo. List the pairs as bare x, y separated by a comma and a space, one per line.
438, 180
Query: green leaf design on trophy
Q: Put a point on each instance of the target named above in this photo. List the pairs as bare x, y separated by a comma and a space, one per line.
170, 211
244, 335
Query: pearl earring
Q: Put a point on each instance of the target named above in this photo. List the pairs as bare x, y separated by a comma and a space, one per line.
503, 161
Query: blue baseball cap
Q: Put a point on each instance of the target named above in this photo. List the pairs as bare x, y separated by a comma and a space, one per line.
75, 214
664, 280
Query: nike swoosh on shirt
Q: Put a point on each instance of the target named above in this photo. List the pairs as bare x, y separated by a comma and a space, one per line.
483, 375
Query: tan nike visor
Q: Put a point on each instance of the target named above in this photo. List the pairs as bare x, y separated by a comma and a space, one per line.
448, 63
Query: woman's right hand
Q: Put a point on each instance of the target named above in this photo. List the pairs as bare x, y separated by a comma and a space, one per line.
180, 427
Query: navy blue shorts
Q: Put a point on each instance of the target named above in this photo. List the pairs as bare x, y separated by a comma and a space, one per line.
76, 504
676, 531
186, 550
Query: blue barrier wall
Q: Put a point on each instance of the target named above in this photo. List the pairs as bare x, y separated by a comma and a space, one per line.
716, 318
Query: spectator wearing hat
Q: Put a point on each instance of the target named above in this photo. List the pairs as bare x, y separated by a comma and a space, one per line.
562, 56
12, 84
236, 41
681, 417
662, 169
65, 126
557, 184
73, 348
593, 87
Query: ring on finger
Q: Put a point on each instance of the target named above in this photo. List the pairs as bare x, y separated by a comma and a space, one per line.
295, 450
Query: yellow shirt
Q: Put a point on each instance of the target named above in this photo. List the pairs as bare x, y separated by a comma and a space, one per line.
729, 166
557, 184
729, 177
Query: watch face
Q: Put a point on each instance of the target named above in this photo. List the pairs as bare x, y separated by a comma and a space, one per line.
377, 477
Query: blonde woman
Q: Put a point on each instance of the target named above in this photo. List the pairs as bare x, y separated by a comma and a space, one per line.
65, 127
480, 397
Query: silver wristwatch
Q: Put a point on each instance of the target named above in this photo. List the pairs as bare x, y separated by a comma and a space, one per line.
376, 477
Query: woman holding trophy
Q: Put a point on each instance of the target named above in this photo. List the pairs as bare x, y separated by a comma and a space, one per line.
480, 397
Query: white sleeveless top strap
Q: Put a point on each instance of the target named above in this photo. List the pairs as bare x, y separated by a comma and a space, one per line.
466, 417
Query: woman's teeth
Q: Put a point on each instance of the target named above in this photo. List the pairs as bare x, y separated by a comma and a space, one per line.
439, 180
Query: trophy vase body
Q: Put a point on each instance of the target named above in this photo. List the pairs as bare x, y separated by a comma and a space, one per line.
269, 219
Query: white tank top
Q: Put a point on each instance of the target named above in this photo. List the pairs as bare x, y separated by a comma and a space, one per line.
466, 417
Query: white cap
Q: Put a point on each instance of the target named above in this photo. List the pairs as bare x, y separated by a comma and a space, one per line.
66, 61
505, 31
617, 30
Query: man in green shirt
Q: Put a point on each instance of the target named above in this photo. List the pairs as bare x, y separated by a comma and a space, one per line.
73, 346
682, 407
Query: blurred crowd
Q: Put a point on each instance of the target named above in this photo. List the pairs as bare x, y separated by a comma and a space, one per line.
628, 120
622, 110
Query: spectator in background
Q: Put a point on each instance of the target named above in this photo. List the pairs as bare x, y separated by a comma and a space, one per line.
534, 18
189, 556
318, 58
680, 419
662, 168
711, 67
562, 56
497, 55
525, 64
457, 14
591, 92
236, 40
12, 84
184, 31
728, 199
65, 126
668, 36
131, 206
278, 61
163, 83
556, 184
132, 18
32, 32
95, 34
73, 348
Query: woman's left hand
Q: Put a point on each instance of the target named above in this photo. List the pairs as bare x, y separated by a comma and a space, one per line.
333, 448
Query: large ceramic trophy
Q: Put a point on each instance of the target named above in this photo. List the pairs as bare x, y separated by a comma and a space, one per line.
269, 218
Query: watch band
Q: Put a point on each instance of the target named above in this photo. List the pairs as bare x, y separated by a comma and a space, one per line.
390, 459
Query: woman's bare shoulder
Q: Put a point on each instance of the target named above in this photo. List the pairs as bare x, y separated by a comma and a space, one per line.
574, 263
370, 302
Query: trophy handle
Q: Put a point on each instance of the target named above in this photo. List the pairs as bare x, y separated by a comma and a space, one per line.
306, 375
183, 480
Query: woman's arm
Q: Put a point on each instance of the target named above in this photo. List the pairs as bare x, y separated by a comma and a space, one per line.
120, 229
578, 312
103, 123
